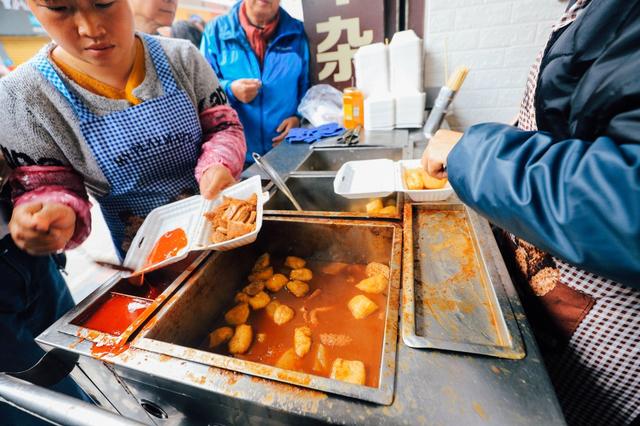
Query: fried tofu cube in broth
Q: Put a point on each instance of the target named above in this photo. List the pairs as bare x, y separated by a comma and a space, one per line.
361, 306
334, 268
321, 362
276, 282
289, 360
241, 340
270, 309
375, 268
298, 288
263, 262
348, 371
283, 314
302, 340
301, 274
259, 301
262, 275
294, 262
242, 297
375, 284
238, 314
254, 288
219, 336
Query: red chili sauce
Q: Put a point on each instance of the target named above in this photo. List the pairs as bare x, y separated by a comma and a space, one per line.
168, 246
116, 314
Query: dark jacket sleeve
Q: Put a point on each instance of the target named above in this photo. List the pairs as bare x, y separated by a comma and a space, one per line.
578, 200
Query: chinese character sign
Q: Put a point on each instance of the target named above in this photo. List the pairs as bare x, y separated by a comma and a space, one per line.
336, 29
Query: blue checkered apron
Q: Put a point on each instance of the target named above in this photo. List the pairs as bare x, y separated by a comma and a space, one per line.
147, 152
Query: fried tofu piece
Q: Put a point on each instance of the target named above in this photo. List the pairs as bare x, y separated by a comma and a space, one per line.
361, 306
388, 211
302, 340
289, 360
374, 206
219, 336
262, 275
348, 371
283, 314
320, 363
241, 340
413, 179
430, 182
263, 262
259, 301
298, 288
238, 314
294, 262
301, 274
253, 288
375, 268
242, 297
270, 309
375, 284
334, 268
237, 229
276, 282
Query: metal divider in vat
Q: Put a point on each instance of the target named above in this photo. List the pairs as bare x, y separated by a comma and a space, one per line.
453, 297
181, 326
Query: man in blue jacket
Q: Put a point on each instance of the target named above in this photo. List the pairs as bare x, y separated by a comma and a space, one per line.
261, 57
565, 184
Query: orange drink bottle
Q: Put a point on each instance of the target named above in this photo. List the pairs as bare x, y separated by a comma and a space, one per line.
352, 106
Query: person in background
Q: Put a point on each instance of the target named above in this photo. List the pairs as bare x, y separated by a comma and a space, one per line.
198, 21
151, 15
261, 55
186, 30
565, 186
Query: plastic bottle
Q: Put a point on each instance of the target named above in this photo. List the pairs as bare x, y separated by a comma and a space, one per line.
352, 106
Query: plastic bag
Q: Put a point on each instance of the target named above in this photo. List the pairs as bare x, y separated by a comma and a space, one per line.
321, 104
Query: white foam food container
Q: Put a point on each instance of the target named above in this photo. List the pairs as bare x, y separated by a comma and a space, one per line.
188, 214
379, 178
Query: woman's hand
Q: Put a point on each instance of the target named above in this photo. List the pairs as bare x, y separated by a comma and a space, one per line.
434, 158
284, 127
246, 89
41, 229
215, 179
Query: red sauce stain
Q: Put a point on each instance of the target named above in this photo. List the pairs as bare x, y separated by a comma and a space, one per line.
100, 351
168, 246
116, 314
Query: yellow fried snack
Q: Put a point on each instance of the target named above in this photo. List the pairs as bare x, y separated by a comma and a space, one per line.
298, 288
238, 314
361, 306
241, 340
270, 309
430, 182
388, 211
375, 284
348, 371
375, 268
219, 336
374, 206
302, 340
413, 179
242, 297
262, 275
254, 288
301, 274
289, 360
259, 301
321, 362
276, 282
283, 314
294, 262
262, 263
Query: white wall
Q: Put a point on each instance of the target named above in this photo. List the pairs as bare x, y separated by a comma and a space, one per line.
498, 40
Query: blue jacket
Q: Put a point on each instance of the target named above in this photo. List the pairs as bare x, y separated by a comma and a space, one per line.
284, 76
573, 187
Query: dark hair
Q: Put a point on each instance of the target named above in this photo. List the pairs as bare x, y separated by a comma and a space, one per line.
186, 30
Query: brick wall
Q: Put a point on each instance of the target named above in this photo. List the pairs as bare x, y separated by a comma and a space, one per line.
498, 40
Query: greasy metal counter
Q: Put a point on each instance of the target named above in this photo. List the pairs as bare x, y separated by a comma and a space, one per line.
146, 382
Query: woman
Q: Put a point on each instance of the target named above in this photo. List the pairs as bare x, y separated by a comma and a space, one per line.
261, 56
566, 185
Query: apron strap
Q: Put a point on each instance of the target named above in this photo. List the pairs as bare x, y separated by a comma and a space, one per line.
44, 66
161, 62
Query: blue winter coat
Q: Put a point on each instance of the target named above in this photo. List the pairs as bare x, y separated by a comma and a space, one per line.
573, 187
284, 74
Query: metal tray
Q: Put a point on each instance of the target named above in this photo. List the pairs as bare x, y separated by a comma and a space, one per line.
180, 326
453, 297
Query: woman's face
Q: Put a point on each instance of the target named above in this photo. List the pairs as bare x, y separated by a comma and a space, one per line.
265, 9
98, 32
160, 12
